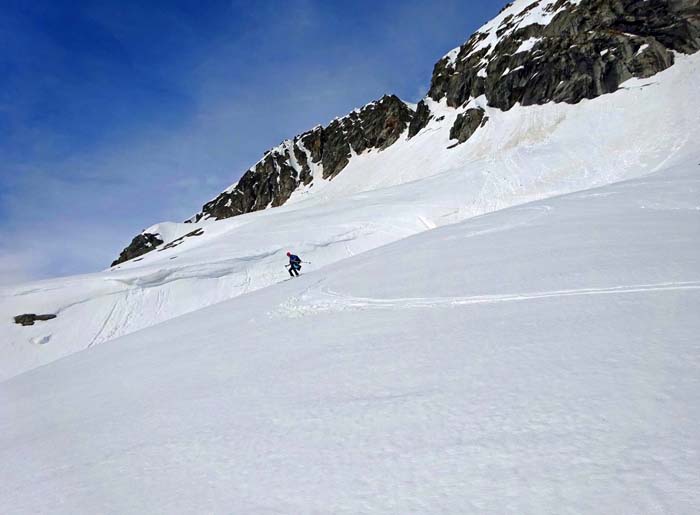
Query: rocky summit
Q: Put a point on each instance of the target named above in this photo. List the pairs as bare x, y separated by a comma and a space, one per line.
566, 50
531, 53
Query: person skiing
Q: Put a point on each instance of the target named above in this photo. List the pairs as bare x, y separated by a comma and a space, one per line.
294, 264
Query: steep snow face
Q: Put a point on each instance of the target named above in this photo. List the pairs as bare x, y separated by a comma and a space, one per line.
414, 185
540, 359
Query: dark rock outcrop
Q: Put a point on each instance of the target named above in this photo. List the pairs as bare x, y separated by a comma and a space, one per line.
466, 124
282, 170
143, 243
585, 51
30, 318
420, 119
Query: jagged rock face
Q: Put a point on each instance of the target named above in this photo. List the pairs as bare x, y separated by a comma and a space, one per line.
143, 243
377, 126
586, 50
271, 182
420, 119
268, 184
466, 124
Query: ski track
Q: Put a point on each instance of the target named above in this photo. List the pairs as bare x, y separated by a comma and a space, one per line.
325, 300
104, 325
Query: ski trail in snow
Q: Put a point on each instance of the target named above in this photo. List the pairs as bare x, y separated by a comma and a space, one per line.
329, 301
103, 327
428, 224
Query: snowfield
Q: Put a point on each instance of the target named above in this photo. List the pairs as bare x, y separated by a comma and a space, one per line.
510, 325
380, 197
540, 359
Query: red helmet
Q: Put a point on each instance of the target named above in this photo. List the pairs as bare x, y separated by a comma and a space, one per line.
289, 253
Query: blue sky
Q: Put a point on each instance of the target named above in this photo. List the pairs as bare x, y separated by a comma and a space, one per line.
115, 115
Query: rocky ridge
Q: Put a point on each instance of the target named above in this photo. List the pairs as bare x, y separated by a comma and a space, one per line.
321, 152
531, 53
566, 50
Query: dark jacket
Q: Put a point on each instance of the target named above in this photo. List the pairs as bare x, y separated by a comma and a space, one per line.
295, 261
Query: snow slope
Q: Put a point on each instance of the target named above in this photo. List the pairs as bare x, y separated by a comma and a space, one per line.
540, 359
414, 185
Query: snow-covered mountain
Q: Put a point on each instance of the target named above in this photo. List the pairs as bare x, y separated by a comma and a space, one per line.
547, 98
540, 359
500, 314
531, 53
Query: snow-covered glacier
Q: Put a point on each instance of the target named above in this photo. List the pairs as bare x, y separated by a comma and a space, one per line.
416, 184
498, 313
540, 359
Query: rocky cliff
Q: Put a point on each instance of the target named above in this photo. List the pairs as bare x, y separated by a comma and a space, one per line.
565, 51
533, 52
322, 151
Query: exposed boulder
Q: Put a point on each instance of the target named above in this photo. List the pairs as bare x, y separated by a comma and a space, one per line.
143, 243
30, 318
466, 124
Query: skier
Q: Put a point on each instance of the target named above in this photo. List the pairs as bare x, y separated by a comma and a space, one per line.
294, 264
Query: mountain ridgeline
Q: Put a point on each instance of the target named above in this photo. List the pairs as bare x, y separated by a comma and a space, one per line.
531, 53
283, 169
